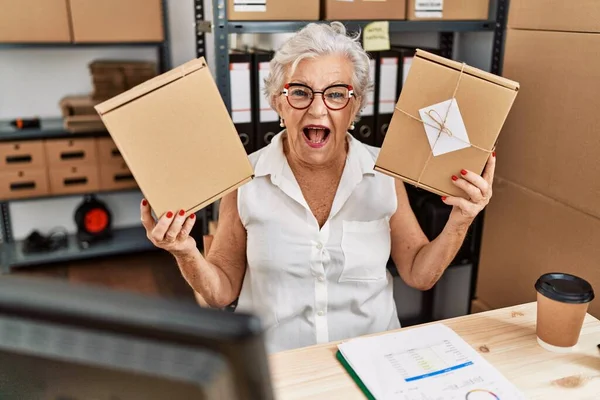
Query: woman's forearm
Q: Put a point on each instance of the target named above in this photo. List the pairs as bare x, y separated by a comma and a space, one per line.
433, 258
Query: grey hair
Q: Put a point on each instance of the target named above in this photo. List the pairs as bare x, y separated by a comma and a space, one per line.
319, 39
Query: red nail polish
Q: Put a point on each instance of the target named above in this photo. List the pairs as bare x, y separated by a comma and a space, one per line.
454, 177
463, 172
443, 198
494, 154
144, 202
182, 212
192, 216
169, 214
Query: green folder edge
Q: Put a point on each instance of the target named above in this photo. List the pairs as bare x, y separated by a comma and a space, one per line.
354, 375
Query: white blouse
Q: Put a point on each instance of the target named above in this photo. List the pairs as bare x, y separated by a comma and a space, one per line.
311, 285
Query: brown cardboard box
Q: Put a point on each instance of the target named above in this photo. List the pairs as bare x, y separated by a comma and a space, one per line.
477, 306
117, 20
178, 139
25, 21
76, 178
365, 9
420, 10
273, 10
527, 234
116, 176
108, 152
23, 183
580, 16
20, 155
550, 142
484, 101
68, 152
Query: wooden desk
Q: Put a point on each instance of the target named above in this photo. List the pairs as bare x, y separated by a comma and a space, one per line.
505, 337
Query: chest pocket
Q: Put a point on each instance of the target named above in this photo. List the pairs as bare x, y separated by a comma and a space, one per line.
366, 246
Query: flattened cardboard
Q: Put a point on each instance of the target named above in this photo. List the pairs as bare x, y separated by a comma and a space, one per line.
23, 21
178, 140
274, 10
365, 10
484, 100
550, 142
454, 10
579, 16
527, 234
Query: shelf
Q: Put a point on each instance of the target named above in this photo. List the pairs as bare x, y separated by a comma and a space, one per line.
395, 26
67, 195
51, 128
125, 240
77, 45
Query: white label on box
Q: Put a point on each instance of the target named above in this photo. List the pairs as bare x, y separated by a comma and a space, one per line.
429, 8
241, 104
250, 5
405, 68
369, 109
454, 135
267, 114
388, 80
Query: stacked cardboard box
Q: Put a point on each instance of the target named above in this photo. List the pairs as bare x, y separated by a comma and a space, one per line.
79, 114
113, 77
545, 214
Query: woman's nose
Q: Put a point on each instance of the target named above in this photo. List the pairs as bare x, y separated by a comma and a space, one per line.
317, 108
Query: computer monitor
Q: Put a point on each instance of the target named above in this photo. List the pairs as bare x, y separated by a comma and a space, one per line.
61, 341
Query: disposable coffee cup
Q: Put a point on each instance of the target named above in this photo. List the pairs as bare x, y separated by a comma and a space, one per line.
562, 303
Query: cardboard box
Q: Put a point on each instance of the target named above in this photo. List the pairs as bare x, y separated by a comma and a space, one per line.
23, 21
550, 142
527, 234
108, 152
23, 183
19, 155
273, 10
117, 20
116, 176
365, 9
419, 10
483, 102
582, 16
76, 178
69, 152
178, 139
477, 306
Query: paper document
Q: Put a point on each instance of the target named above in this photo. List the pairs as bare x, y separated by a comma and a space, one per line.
445, 128
425, 363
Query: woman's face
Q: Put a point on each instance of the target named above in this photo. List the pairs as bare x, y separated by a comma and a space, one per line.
317, 134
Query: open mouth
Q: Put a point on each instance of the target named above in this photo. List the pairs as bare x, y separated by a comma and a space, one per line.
316, 135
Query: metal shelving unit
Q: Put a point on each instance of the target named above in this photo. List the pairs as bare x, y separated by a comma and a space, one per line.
125, 240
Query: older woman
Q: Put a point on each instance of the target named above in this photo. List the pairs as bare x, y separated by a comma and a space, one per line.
305, 244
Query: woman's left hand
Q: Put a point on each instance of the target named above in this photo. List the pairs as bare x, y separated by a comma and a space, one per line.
478, 189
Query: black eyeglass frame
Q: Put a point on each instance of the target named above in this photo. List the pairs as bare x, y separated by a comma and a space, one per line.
287, 86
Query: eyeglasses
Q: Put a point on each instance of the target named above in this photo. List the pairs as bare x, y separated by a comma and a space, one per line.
300, 96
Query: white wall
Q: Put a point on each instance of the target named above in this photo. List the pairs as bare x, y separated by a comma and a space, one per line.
32, 81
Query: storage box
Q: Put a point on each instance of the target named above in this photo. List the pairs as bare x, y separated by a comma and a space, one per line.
273, 10
108, 152
581, 16
117, 20
23, 21
69, 152
527, 234
419, 10
116, 176
23, 183
365, 10
23, 154
178, 139
473, 103
77, 178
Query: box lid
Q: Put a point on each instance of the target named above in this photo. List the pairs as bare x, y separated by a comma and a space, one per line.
488, 76
178, 139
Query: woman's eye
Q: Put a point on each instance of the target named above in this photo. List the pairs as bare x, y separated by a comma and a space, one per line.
299, 93
335, 95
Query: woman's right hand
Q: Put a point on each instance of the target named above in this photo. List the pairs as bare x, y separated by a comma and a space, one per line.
171, 232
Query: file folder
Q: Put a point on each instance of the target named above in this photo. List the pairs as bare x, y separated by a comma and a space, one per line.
267, 119
365, 127
241, 89
389, 82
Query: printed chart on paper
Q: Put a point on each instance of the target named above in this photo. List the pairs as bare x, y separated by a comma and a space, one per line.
429, 363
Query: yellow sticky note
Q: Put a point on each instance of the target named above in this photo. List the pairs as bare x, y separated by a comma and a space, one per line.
376, 36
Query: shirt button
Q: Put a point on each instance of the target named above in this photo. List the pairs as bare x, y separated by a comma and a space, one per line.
321, 278
319, 246
321, 313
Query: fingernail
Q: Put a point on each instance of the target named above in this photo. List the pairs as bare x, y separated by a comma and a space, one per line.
169, 214
182, 212
443, 198
144, 203
454, 177
494, 154
192, 216
463, 172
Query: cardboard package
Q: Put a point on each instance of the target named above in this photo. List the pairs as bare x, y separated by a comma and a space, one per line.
365, 9
79, 115
116, 177
23, 21
273, 10
117, 20
178, 140
474, 105
554, 15
419, 10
